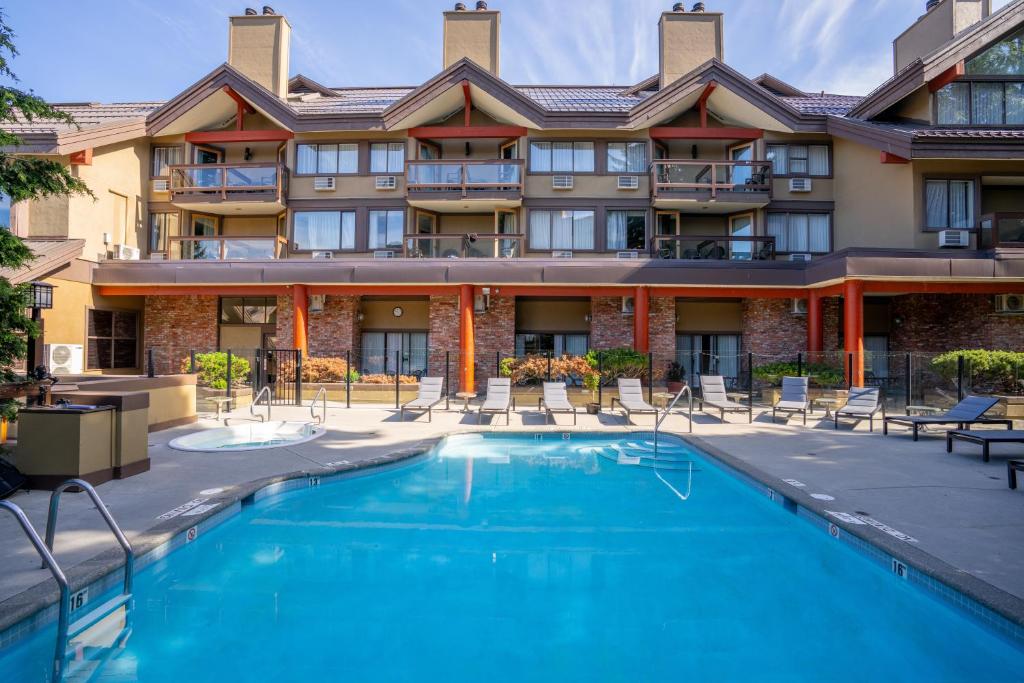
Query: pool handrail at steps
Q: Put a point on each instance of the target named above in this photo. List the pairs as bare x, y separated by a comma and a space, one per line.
668, 409
256, 401
312, 405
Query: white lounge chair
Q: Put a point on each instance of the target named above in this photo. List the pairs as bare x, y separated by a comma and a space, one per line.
794, 397
862, 402
431, 393
631, 399
555, 400
499, 396
712, 393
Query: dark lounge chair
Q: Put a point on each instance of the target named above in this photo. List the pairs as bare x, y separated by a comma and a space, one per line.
965, 413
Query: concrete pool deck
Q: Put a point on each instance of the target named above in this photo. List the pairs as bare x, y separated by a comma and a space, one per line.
957, 508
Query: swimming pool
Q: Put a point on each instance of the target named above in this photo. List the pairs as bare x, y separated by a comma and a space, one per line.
250, 436
510, 558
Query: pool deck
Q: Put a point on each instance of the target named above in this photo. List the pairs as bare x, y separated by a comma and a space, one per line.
957, 508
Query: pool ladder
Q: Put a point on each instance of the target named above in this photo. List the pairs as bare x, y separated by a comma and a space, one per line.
657, 423
312, 406
67, 629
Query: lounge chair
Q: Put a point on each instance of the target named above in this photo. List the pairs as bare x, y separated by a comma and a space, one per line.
499, 396
712, 393
631, 399
555, 400
794, 398
985, 439
430, 395
862, 402
967, 412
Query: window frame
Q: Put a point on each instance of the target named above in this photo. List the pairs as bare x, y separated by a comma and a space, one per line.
369, 229
89, 338
152, 159
317, 144
808, 144
529, 231
802, 212
647, 229
295, 249
975, 219
387, 143
607, 151
149, 229
970, 82
220, 310
530, 142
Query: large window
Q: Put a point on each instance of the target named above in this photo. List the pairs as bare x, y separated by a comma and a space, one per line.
627, 229
163, 157
384, 352
799, 160
627, 157
161, 226
1005, 58
561, 157
554, 343
327, 159
387, 157
949, 204
325, 230
561, 230
709, 354
249, 310
386, 228
113, 338
980, 103
801, 232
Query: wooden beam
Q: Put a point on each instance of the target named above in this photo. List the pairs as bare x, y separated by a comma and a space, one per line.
300, 317
641, 320
702, 103
239, 136
449, 132
467, 362
853, 331
467, 96
191, 290
890, 158
242, 105
81, 158
946, 77
687, 133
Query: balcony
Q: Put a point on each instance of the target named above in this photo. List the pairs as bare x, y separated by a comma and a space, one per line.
464, 246
464, 186
226, 248
714, 247
253, 189
1002, 231
711, 186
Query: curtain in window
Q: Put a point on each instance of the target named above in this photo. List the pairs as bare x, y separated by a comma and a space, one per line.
396, 157
164, 157
936, 204
616, 157
305, 161
818, 237
317, 229
1014, 104
348, 158
583, 157
876, 360
576, 344
520, 345
583, 230
953, 104
561, 229
796, 235
561, 157
616, 229
416, 349
727, 348
961, 204
636, 157
540, 157
540, 229
348, 229
372, 356
777, 154
817, 160
385, 229
777, 229
327, 159
378, 158
798, 159
987, 104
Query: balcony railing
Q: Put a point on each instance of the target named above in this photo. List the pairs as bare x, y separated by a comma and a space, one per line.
486, 245
714, 247
467, 178
1002, 230
224, 182
226, 248
674, 178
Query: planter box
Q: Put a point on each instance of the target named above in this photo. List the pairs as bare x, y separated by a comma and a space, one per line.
771, 395
363, 392
1012, 407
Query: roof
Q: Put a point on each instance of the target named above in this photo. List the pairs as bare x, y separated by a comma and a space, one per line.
86, 115
50, 255
825, 103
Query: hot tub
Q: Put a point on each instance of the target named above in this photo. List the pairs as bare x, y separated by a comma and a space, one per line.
248, 437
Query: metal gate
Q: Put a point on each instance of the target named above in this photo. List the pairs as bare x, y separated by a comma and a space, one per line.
281, 370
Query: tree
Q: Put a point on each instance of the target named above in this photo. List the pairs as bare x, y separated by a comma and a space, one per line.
22, 178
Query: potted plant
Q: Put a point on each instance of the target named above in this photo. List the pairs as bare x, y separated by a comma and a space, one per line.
675, 376
591, 380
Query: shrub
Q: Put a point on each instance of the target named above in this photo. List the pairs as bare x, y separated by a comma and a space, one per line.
535, 368
328, 369
822, 374
213, 369
985, 371
389, 379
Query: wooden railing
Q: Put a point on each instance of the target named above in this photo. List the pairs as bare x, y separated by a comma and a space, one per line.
226, 248
466, 176
476, 245
247, 181
714, 247
671, 176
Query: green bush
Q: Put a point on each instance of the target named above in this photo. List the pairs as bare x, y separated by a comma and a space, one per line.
621, 362
213, 369
989, 372
822, 374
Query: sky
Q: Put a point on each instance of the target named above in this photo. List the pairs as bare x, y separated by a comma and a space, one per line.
145, 50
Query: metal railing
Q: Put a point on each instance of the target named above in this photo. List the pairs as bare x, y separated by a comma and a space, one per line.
474, 245
200, 248
715, 247
668, 410
256, 401
253, 181
321, 393
681, 177
468, 177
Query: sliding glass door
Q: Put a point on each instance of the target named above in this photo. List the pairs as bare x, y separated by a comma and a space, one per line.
388, 352
709, 354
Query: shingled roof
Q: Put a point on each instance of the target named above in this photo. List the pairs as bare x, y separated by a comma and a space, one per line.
86, 115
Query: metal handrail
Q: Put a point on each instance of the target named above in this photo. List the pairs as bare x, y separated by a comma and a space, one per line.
657, 424
312, 405
49, 562
255, 402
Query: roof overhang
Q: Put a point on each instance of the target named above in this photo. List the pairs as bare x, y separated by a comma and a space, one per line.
51, 256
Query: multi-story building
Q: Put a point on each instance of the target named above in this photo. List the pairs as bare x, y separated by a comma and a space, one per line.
696, 210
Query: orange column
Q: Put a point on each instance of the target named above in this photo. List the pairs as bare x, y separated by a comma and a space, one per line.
815, 342
300, 310
853, 330
641, 320
466, 359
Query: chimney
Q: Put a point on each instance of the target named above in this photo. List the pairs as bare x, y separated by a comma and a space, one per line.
942, 21
258, 46
687, 40
475, 34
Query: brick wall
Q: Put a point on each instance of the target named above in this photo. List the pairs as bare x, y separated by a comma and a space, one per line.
174, 325
494, 333
830, 324
285, 316
663, 331
443, 336
335, 330
771, 330
609, 327
946, 322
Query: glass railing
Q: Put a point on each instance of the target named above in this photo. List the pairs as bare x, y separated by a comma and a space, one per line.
224, 179
465, 176
464, 246
697, 176
225, 248
714, 247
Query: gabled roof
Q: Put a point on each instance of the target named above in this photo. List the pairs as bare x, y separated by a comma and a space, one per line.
95, 124
302, 84
50, 256
919, 141
777, 86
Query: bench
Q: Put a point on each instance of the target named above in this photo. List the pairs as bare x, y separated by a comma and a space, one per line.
220, 402
1012, 467
985, 438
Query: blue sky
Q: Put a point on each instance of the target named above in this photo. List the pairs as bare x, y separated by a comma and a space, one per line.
135, 50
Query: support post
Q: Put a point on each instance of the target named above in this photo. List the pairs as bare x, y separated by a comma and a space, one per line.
600, 377
150, 367
960, 378
192, 361
650, 377
300, 308
298, 379
398, 375
348, 378
853, 330
750, 387
467, 382
641, 320
800, 365
908, 385
227, 377
447, 378
815, 332
549, 366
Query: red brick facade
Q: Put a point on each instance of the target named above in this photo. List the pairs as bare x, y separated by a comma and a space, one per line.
285, 315
663, 331
175, 325
771, 330
495, 333
443, 336
334, 330
610, 328
947, 322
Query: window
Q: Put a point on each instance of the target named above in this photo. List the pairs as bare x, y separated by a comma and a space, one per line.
562, 230
799, 160
327, 159
164, 157
876, 356
627, 229
249, 310
1005, 58
949, 204
980, 103
555, 344
386, 229
325, 230
561, 157
113, 340
627, 157
162, 226
382, 350
801, 232
709, 354
953, 103
387, 157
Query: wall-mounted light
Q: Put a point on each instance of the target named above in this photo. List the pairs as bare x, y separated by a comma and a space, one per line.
248, 154
42, 295
360, 316
316, 303
587, 318
897, 320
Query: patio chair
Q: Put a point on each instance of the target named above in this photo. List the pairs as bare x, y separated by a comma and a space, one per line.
861, 402
430, 395
631, 399
967, 412
794, 398
499, 396
712, 393
555, 400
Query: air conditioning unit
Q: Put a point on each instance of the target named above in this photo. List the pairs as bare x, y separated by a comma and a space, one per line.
122, 252
628, 304
628, 182
325, 183
561, 182
317, 302
954, 239
162, 185
385, 182
800, 185
383, 254
481, 302
627, 254
561, 254
800, 257
1010, 303
323, 255
65, 359
799, 307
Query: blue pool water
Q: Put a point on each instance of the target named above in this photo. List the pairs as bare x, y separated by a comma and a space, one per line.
505, 558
